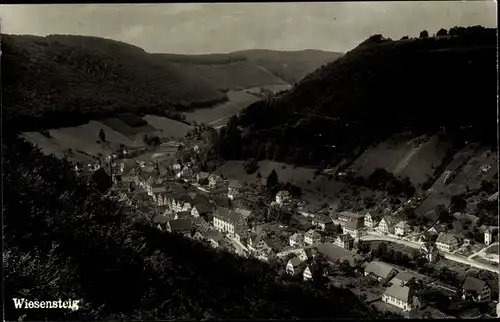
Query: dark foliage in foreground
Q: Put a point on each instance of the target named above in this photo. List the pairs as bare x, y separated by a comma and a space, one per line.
379, 88
64, 240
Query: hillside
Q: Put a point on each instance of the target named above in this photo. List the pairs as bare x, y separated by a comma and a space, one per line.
291, 66
122, 268
66, 80
379, 88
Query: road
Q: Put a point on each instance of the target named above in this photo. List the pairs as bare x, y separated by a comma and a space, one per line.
416, 245
481, 252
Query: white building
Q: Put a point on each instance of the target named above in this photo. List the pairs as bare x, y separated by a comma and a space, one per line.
401, 297
488, 237
372, 220
312, 237
282, 197
385, 226
446, 242
402, 228
307, 275
296, 240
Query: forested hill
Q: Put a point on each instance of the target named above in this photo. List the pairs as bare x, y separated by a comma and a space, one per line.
65, 80
378, 88
63, 240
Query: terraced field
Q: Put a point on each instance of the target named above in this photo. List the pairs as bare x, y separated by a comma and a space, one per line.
413, 159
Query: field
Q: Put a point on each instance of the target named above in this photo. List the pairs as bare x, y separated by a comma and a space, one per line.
431, 203
122, 127
493, 249
46, 145
220, 114
167, 127
314, 189
415, 159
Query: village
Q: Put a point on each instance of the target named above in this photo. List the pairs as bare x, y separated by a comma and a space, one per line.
409, 270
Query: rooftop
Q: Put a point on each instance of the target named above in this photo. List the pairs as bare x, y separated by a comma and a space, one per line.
405, 276
474, 284
380, 269
399, 292
180, 225
446, 238
349, 214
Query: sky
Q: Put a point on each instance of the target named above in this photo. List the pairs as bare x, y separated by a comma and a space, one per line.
196, 28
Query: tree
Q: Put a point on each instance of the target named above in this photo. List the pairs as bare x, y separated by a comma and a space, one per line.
443, 214
458, 203
102, 135
442, 32
424, 34
272, 179
404, 37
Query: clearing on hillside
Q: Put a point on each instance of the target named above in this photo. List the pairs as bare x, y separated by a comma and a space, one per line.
220, 114
317, 188
125, 129
46, 145
167, 126
415, 158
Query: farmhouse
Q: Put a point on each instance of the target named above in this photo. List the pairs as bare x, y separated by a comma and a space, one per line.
476, 290
382, 272
228, 221
161, 221
233, 189
307, 275
180, 226
282, 197
322, 222
265, 254
354, 228
296, 239
202, 177
404, 279
437, 229
446, 242
401, 297
214, 237
347, 216
372, 219
345, 241
295, 266
386, 226
402, 228
201, 209
429, 251
312, 237
214, 180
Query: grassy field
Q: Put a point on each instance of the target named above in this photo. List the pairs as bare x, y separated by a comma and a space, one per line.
471, 175
47, 145
167, 126
319, 189
415, 159
493, 249
220, 114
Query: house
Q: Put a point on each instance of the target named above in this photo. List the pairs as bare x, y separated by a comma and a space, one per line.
404, 279
265, 254
322, 222
401, 296
214, 238
429, 251
476, 290
202, 177
181, 202
202, 209
244, 212
347, 216
307, 275
305, 254
386, 226
214, 180
182, 215
312, 237
180, 226
382, 272
161, 221
295, 266
402, 228
354, 228
345, 241
282, 197
197, 235
437, 229
447, 242
233, 189
371, 220
488, 236
226, 220
296, 239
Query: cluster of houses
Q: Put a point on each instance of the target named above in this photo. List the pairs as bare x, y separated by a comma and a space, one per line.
402, 286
